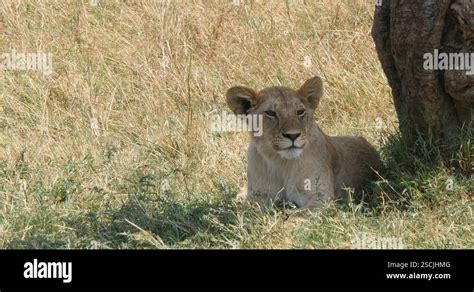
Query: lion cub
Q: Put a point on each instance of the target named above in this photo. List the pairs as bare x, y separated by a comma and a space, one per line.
293, 160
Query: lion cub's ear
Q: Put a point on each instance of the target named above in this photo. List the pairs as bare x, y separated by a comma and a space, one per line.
240, 99
312, 90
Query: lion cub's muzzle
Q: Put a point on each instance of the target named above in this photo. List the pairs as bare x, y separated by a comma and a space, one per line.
289, 140
290, 144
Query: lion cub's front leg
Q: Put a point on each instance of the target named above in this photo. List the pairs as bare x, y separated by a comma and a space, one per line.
310, 193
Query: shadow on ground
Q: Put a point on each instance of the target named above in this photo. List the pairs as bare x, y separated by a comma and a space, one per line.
163, 221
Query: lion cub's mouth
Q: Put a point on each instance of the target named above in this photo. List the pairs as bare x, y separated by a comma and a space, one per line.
291, 147
291, 152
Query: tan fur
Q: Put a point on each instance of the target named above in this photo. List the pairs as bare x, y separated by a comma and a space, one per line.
312, 169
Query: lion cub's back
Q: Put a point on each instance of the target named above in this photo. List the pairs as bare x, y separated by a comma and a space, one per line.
356, 160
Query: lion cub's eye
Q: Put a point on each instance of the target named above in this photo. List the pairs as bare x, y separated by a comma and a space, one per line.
270, 114
301, 113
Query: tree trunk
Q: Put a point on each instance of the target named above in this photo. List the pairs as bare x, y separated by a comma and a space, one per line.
436, 105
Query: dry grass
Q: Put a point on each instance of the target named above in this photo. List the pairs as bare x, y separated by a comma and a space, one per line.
153, 73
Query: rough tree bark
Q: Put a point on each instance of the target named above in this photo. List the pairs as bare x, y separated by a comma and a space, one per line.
432, 104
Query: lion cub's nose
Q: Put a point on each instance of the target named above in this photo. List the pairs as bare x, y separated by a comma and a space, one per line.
292, 136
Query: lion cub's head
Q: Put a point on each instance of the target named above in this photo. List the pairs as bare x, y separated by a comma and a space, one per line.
287, 115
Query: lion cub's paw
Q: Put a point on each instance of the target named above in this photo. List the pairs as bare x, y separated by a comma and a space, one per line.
242, 195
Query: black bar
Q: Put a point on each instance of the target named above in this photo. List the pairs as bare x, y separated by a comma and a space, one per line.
240, 268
